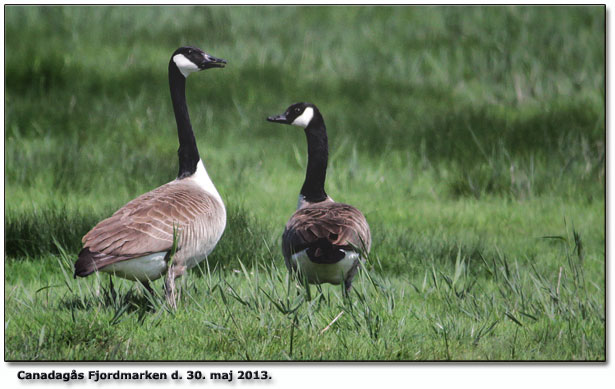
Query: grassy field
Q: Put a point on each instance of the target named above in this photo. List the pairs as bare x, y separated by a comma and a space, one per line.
472, 138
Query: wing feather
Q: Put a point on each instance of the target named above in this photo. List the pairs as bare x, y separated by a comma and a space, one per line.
144, 225
325, 228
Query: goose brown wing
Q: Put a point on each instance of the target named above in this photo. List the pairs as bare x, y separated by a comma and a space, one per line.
144, 225
326, 226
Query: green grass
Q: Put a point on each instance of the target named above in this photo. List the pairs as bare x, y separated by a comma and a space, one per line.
472, 138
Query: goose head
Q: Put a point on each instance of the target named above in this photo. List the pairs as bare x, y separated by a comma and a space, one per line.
298, 114
192, 59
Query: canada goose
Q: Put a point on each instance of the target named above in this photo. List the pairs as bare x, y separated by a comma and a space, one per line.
136, 241
326, 241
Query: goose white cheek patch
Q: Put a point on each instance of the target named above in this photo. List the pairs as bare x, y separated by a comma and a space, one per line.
184, 64
304, 119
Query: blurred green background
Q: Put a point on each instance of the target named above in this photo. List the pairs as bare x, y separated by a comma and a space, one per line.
463, 134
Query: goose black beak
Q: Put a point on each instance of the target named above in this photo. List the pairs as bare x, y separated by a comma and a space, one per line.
212, 62
278, 119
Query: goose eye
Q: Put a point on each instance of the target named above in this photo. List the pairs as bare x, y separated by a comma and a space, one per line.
297, 110
189, 51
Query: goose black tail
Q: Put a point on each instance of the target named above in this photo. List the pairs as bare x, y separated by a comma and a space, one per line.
86, 264
323, 251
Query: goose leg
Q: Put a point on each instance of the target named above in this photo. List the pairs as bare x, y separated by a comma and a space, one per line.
169, 287
174, 271
347, 287
349, 277
112, 288
148, 287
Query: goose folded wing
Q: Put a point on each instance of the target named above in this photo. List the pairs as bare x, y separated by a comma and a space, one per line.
142, 227
334, 226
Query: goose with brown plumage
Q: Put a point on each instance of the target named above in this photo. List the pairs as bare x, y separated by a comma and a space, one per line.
136, 241
325, 241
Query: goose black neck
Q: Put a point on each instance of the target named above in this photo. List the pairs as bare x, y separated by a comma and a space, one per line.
188, 152
318, 154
